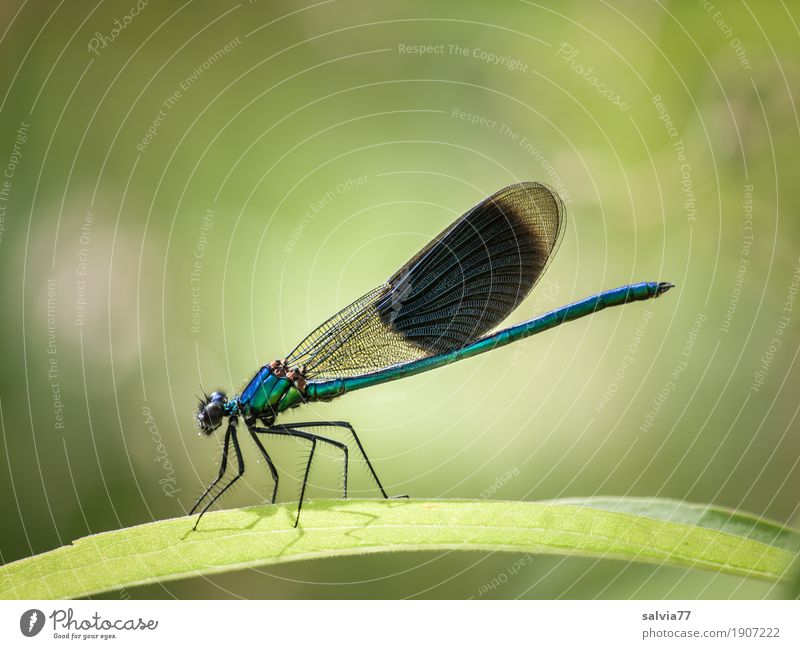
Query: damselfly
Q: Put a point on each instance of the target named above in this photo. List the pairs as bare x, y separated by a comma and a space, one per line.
435, 310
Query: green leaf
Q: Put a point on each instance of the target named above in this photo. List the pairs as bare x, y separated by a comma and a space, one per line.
711, 517
235, 539
793, 591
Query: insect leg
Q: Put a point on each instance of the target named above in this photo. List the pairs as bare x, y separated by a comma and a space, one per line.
349, 427
268, 460
290, 431
305, 479
222, 466
240, 461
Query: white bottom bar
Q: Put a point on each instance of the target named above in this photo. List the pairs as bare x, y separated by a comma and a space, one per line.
401, 624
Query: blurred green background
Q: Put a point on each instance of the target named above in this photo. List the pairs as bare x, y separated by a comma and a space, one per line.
195, 187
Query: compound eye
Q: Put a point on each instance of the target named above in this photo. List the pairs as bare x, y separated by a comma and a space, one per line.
213, 413
202, 421
209, 416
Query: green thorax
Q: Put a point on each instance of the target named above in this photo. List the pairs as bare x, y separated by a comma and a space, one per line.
269, 393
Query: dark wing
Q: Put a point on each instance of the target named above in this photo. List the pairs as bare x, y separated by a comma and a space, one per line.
462, 284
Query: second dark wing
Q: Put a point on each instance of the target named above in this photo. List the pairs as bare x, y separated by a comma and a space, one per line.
460, 286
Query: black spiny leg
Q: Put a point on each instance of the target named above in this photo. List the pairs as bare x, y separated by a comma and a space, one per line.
232, 434
349, 427
222, 466
294, 430
305, 479
290, 431
266, 456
